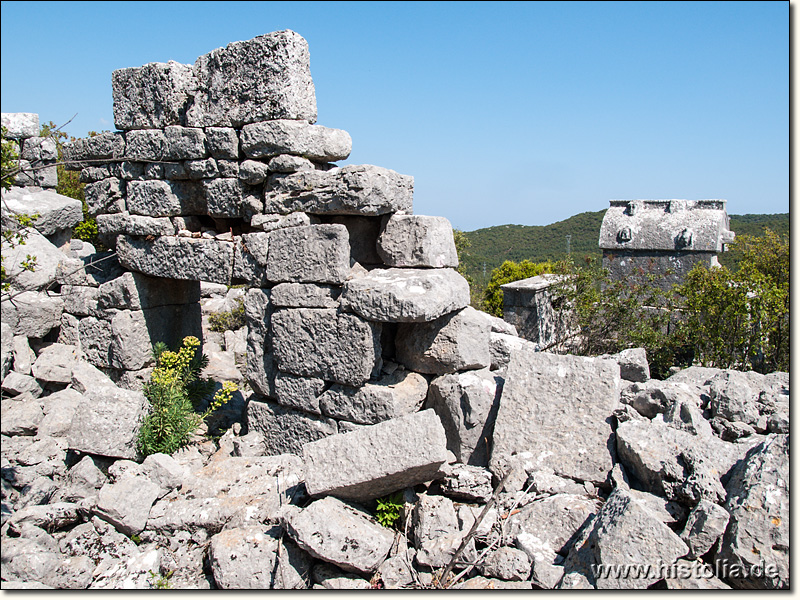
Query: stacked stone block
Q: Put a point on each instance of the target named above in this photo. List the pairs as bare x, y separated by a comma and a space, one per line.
37, 155
218, 173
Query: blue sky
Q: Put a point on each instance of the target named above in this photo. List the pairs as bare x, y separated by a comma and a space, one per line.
511, 112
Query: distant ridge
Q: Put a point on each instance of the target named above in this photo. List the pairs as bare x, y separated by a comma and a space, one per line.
493, 245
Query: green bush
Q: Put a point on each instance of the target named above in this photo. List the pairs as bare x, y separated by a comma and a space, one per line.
228, 320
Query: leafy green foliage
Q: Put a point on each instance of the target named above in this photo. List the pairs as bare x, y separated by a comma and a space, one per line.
228, 320
174, 389
510, 271
389, 508
161, 582
9, 155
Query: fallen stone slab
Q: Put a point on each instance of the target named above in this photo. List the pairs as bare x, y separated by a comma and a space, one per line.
542, 393
48, 258
362, 190
508, 564
32, 314
268, 139
59, 409
405, 295
377, 459
467, 483
55, 363
417, 241
15, 384
341, 534
21, 415
126, 503
56, 212
733, 398
705, 525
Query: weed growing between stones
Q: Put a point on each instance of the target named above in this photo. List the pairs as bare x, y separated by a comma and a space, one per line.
228, 320
174, 389
389, 509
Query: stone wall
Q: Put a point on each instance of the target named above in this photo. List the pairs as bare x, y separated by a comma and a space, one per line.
38, 155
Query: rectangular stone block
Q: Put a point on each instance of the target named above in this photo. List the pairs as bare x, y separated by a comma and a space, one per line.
165, 198
21, 125
377, 459
184, 143
105, 196
145, 144
223, 197
261, 79
316, 342
314, 254
151, 96
315, 142
110, 226
223, 142
98, 147
178, 258
286, 430
260, 369
417, 241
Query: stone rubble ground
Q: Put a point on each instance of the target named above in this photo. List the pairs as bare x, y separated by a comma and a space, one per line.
362, 372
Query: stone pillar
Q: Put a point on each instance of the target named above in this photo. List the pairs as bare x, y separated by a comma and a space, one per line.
534, 307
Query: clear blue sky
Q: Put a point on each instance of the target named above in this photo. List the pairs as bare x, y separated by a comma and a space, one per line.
503, 112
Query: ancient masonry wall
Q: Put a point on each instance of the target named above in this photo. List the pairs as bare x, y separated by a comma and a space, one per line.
38, 155
219, 174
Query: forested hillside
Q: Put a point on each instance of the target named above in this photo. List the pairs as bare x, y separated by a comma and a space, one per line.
493, 245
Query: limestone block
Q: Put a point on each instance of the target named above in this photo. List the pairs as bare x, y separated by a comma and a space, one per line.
253, 172
131, 348
733, 398
272, 222
405, 295
151, 96
166, 198
55, 363
541, 393
112, 225
312, 253
95, 340
178, 258
21, 125
96, 148
394, 395
223, 142
286, 163
8, 348
286, 430
47, 256
107, 422
705, 525
22, 415
184, 143
509, 564
24, 357
202, 169
377, 459
299, 392
59, 408
340, 534
315, 142
417, 241
95, 173
33, 314
467, 405
632, 363
39, 148
146, 144
126, 503
467, 483
305, 295
264, 78
363, 190
224, 197
56, 212
323, 343
454, 342
260, 371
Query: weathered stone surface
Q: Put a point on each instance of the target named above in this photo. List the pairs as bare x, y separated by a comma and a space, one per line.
305, 295
107, 422
253, 172
623, 533
48, 258
313, 253
315, 142
105, 196
56, 212
417, 241
145, 144
114, 224
184, 143
134, 291
15, 384
502, 345
20, 416
55, 364
21, 125
86, 376
299, 392
341, 534
454, 342
323, 343
394, 395
47, 516
286, 163
286, 430
632, 363
363, 190
224, 197
260, 79
178, 258
260, 368
32, 314
95, 341
246, 557
151, 96
153, 198
223, 142
376, 459
467, 405
405, 295
758, 503
705, 525
508, 564
131, 347
732, 397
435, 531
126, 503
655, 397
272, 222
542, 393
8, 348
693, 575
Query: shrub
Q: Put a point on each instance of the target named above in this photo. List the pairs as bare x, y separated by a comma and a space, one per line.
510, 271
228, 319
174, 389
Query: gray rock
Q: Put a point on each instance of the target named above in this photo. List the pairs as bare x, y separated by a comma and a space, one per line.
758, 503
223, 142
284, 429
55, 363
332, 578
260, 369
146, 145
693, 575
632, 363
105, 196
778, 423
260, 79
126, 503
454, 342
467, 405
184, 143
341, 534
272, 138
33, 314
502, 345
224, 197
405, 295
376, 459
704, 527
151, 96
417, 241
363, 190
21, 125
107, 422
114, 224
39, 149
305, 295
654, 397
178, 258
49, 517
432, 518
21, 416
154, 198
56, 212
394, 395
131, 348
47, 259
27, 563
256, 558
164, 471
313, 253
508, 564
251, 444
86, 376
36, 493
250, 258
732, 397
286, 163
323, 343
8, 347
272, 222
253, 172
544, 391
83, 481
95, 338
299, 392
16, 384
467, 483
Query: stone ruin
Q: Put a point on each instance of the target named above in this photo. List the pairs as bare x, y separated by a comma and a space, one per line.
367, 373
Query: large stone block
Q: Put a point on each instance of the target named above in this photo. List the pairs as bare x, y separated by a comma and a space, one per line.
314, 253
105, 196
261, 79
32, 314
323, 343
184, 143
363, 190
151, 96
21, 125
96, 148
178, 258
377, 459
306, 295
546, 399
135, 291
224, 197
467, 405
417, 241
153, 198
260, 370
110, 226
47, 260
454, 342
284, 429
56, 212
315, 142
405, 295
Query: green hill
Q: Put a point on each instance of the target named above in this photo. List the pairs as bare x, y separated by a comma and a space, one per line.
493, 245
